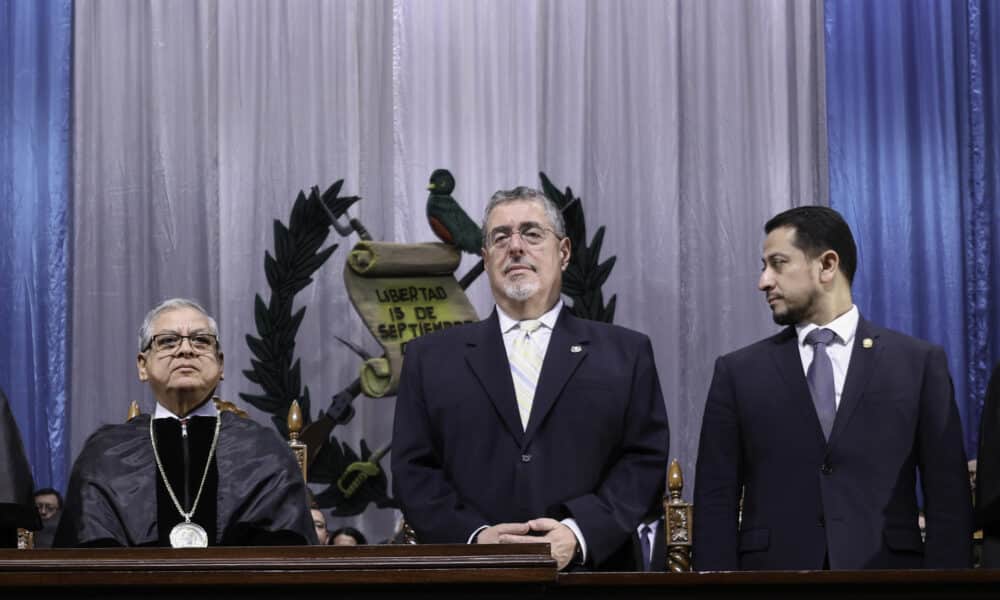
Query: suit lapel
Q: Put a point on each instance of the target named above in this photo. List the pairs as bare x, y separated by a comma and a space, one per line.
567, 349
789, 363
488, 360
863, 364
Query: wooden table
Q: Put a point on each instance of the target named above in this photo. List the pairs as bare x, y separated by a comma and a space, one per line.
524, 572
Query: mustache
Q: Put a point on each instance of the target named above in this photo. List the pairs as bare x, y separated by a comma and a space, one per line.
511, 263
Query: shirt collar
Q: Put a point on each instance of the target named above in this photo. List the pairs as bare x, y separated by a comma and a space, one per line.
206, 409
844, 326
548, 319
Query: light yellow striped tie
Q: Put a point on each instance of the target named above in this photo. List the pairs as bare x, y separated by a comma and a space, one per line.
525, 367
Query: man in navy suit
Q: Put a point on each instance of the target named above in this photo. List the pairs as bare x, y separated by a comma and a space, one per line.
647, 550
532, 425
821, 429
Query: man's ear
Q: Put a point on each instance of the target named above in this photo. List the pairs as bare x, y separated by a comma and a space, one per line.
140, 365
222, 363
564, 253
829, 262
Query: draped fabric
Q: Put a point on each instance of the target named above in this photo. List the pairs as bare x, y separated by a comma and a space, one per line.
35, 68
145, 187
911, 118
682, 125
981, 205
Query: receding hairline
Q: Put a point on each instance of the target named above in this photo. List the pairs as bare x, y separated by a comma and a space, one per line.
530, 195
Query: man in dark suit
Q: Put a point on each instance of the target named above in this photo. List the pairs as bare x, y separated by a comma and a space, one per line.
821, 429
647, 550
988, 474
651, 543
532, 425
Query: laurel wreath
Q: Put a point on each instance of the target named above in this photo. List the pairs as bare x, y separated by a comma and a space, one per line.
297, 255
585, 275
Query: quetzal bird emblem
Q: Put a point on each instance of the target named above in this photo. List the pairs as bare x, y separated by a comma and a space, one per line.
448, 220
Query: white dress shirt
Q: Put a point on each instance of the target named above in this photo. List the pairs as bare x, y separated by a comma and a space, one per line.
839, 350
206, 409
510, 330
653, 525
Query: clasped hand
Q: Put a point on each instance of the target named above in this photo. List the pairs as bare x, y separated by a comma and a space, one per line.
562, 542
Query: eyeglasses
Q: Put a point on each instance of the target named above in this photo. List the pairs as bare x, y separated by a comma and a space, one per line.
202, 343
531, 234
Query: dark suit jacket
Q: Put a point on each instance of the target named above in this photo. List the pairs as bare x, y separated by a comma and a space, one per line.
988, 474
595, 448
853, 499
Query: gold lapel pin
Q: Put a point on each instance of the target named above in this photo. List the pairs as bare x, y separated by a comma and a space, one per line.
867, 343
576, 348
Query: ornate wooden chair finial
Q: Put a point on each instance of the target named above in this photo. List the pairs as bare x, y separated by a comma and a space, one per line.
677, 523
294, 429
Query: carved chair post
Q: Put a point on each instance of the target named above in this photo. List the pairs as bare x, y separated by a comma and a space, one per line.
294, 429
677, 522
25, 539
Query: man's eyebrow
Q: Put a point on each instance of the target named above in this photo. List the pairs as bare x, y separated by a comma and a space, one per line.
175, 332
518, 226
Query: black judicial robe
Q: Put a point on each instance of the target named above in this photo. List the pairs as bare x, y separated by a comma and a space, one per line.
17, 500
254, 493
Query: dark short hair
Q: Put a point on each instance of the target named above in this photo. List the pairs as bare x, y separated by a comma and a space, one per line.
52, 491
354, 533
818, 229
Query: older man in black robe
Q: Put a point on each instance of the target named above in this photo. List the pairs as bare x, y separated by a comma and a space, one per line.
189, 475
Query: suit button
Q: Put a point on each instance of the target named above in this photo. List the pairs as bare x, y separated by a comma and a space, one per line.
826, 469
525, 458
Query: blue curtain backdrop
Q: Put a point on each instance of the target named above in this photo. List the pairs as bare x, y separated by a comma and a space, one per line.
980, 200
911, 121
35, 68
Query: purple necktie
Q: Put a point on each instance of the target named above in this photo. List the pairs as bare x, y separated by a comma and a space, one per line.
645, 546
820, 377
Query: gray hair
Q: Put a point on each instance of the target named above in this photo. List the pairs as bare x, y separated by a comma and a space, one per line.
526, 194
146, 333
